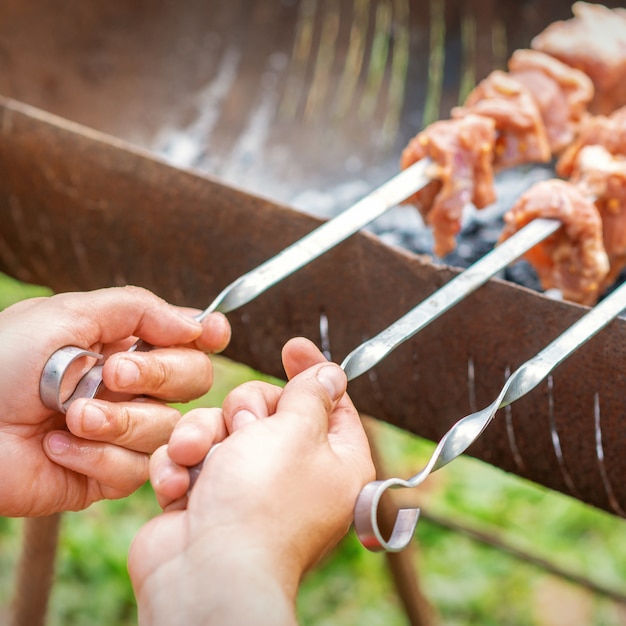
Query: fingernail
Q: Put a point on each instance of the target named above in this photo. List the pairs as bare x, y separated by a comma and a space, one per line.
94, 418
242, 418
127, 373
58, 443
332, 379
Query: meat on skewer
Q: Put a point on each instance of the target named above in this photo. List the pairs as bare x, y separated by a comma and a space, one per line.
594, 41
596, 164
539, 110
461, 152
561, 92
606, 131
536, 108
517, 116
521, 134
602, 176
572, 260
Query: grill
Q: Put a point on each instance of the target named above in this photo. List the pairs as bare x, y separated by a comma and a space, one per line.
172, 152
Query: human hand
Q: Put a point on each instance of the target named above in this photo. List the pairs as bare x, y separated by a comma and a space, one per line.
276, 495
51, 462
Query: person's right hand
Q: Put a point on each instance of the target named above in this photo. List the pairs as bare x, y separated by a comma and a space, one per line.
277, 494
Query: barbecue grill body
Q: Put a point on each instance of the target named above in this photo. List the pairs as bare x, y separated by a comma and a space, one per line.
88, 199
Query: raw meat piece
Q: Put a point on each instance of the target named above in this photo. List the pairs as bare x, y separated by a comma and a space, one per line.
600, 130
573, 259
561, 92
594, 41
461, 151
602, 176
521, 134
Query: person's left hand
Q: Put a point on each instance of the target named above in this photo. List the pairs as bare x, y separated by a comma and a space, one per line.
51, 462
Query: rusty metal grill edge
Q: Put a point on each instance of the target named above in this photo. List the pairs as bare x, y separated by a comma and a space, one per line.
82, 209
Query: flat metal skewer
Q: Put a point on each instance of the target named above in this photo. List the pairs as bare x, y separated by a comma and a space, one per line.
325, 237
369, 353
465, 431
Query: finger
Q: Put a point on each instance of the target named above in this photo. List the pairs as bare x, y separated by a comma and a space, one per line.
170, 481
313, 394
173, 374
299, 354
216, 333
142, 426
344, 422
248, 403
115, 471
111, 314
177, 505
196, 433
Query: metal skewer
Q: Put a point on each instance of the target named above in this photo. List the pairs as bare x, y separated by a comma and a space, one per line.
258, 280
369, 353
325, 237
464, 432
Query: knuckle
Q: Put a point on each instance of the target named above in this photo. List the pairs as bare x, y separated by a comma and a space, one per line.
178, 374
136, 291
158, 374
121, 423
247, 393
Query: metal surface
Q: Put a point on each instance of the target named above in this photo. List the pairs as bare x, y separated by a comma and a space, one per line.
255, 282
464, 432
54, 372
255, 92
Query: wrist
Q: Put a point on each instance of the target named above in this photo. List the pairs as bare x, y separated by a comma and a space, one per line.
203, 586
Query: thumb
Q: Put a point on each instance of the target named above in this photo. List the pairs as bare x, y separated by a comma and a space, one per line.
299, 354
313, 393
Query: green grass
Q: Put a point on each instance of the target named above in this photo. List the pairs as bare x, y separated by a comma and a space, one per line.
466, 581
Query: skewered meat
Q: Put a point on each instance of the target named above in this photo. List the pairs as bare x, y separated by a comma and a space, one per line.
594, 40
608, 132
521, 134
537, 110
461, 151
561, 92
572, 260
602, 175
